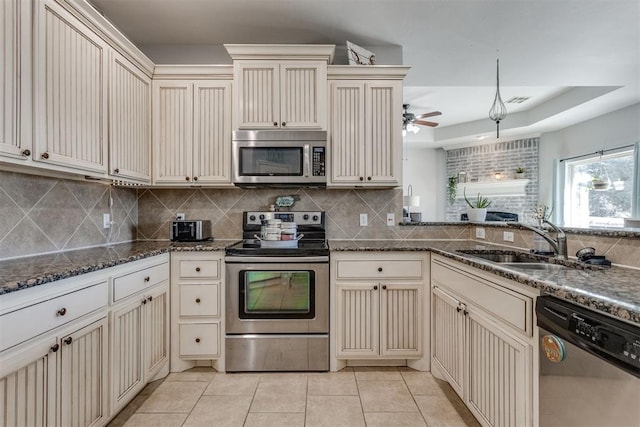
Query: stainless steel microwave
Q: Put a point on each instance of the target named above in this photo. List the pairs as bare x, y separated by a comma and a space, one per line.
283, 158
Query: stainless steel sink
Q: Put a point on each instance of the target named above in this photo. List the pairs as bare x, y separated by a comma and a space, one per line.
505, 258
537, 266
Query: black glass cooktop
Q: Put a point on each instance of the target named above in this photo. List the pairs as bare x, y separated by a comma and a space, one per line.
252, 247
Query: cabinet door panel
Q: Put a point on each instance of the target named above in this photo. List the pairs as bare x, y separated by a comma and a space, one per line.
156, 333
303, 94
347, 132
126, 354
26, 395
129, 121
83, 376
358, 322
212, 132
70, 72
383, 134
498, 375
258, 95
10, 48
172, 131
401, 320
448, 338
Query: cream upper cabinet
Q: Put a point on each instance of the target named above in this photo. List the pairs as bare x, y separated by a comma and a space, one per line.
365, 133
280, 94
129, 121
15, 138
483, 343
70, 91
192, 132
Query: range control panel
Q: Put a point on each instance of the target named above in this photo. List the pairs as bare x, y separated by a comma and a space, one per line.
619, 343
300, 218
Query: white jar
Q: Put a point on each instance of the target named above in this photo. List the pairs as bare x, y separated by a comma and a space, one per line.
272, 233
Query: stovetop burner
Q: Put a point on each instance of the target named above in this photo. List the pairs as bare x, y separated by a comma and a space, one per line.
311, 224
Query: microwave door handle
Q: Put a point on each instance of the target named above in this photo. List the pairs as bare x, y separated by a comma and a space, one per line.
307, 166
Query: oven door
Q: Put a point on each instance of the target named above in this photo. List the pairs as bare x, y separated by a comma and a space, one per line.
277, 295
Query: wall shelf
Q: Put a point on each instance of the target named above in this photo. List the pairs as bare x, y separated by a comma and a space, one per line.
503, 187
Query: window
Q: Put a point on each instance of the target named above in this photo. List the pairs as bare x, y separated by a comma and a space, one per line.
599, 190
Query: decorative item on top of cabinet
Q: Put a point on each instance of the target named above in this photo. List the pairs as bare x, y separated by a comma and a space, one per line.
197, 309
365, 129
15, 93
129, 121
378, 308
70, 69
192, 132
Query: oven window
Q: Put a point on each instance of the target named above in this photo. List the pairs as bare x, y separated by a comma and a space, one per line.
271, 161
281, 294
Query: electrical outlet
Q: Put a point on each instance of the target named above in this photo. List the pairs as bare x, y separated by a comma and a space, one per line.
391, 219
479, 233
180, 217
507, 236
364, 220
106, 220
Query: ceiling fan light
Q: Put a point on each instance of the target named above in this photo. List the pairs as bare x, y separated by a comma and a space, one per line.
415, 129
404, 131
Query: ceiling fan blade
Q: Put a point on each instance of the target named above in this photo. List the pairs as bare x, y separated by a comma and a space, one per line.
425, 123
431, 114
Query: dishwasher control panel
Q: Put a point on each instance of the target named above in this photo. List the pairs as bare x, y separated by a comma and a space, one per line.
617, 342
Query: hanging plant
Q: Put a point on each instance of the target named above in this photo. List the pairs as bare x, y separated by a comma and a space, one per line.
452, 189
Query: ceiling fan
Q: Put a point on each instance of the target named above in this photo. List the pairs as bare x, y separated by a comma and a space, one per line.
410, 120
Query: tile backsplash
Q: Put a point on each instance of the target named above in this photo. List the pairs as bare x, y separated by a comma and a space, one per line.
40, 214
224, 207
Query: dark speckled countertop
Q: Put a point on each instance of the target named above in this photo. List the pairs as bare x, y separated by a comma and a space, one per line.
614, 291
22, 273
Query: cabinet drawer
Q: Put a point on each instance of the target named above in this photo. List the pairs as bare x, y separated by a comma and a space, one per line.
199, 339
199, 300
134, 282
374, 269
44, 316
511, 307
194, 269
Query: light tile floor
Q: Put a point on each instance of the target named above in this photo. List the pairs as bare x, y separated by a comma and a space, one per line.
353, 397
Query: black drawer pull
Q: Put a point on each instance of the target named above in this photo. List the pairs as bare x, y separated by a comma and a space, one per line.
68, 340
375, 288
62, 311
146, 279
384, 287
198, 300
198, 269
197, 339
380, 269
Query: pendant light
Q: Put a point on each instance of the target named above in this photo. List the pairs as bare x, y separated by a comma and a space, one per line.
498, 110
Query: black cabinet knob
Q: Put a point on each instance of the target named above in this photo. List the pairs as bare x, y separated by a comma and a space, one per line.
195, 178
45, 155
116, 170
361, 178
198, 269
62, 312
197, 339
368, 178
147, 278
384, 287
275, 124
55, 347
68, 340
375, 287
284, 124
187, 178
380, 269
198, 300
26, 152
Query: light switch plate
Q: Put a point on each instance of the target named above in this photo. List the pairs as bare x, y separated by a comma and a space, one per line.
391, 219
507, 236
106, 220
364, 220
180, 217
479, 233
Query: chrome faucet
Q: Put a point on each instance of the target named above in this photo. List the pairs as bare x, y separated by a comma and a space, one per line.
559, 245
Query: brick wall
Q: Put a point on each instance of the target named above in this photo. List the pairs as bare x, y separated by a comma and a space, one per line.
482, 162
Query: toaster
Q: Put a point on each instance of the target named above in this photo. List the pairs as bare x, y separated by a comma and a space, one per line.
190, 231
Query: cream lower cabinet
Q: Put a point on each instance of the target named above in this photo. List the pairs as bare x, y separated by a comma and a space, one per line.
197, 310
379, 301
58, 377
483, 343
139, 330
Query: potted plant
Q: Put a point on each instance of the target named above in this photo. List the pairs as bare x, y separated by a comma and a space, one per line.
598, 183
452, 189
520, 172
477, 211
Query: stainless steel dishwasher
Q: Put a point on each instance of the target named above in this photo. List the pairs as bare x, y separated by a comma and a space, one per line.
589, 367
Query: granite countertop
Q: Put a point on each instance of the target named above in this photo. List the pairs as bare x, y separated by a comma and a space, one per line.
614, 291
22, 273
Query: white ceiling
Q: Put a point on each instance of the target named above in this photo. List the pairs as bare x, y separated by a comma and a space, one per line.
576, 59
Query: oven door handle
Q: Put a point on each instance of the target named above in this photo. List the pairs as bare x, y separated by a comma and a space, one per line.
277, 259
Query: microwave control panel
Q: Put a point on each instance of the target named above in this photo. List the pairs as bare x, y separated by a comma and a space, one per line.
318, 161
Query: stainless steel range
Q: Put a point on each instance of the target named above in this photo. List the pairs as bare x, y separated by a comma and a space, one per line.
277, 313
